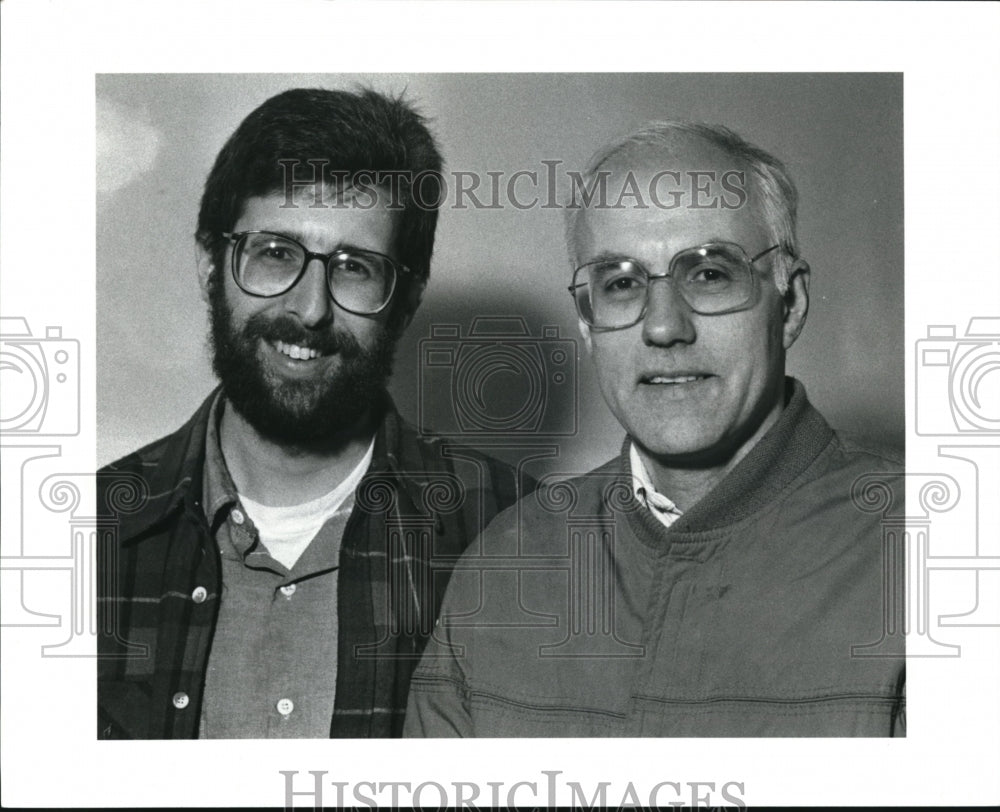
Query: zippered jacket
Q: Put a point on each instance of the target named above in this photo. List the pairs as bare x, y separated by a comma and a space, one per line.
773, 607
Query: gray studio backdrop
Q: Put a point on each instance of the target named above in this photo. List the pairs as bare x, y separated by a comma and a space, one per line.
494, 354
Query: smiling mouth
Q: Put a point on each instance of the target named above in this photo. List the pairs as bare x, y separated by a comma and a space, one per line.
299, 353
673, 379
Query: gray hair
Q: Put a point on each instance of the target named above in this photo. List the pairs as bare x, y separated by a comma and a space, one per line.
777, 193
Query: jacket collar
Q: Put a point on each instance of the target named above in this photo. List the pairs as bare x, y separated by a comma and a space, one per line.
790, 446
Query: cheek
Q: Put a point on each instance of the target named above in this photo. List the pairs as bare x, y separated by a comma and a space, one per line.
757, 343
615, 378
764, 357
608, 365
241, 306
365, 331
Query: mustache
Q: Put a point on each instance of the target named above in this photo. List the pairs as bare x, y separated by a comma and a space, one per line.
287, 329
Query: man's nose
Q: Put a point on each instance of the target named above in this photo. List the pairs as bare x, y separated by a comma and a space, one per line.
668, 317
310, 298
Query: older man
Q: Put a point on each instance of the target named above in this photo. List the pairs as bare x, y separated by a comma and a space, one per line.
274, 567
716, 579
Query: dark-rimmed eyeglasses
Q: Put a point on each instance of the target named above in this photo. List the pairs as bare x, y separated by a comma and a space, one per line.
267, 264
715, 278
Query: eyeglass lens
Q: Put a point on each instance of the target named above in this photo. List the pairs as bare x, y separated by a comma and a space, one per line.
269, 265
711, 279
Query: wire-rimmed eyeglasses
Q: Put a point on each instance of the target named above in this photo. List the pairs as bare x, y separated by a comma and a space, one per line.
715, 278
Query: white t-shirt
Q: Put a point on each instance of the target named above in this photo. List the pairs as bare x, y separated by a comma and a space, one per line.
287, 530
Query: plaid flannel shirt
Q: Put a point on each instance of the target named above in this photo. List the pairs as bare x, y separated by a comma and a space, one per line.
420, 504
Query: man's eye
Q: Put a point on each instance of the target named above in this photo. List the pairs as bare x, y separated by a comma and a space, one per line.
272, 251
623, 283
278, 252
709, 275
350, 266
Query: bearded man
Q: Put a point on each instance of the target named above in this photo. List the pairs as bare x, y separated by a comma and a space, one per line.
273, 568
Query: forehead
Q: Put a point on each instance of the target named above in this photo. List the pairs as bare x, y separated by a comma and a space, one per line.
321, 215
664, 198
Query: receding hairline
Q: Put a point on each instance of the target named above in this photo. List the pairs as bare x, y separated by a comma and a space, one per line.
774, 197
684, 153
671, 144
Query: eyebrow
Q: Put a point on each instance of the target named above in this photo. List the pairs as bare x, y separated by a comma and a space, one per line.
605, 256
299, 237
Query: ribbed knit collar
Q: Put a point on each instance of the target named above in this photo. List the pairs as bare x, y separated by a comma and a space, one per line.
790, 446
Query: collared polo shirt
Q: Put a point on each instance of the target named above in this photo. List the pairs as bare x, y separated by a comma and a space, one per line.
272, 666
665, 511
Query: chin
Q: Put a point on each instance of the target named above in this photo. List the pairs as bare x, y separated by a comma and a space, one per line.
684, 448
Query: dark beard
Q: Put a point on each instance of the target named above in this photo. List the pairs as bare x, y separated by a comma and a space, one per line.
306, 415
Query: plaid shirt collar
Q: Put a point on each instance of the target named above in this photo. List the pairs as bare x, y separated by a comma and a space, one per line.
176, 478
219, 491
180, 474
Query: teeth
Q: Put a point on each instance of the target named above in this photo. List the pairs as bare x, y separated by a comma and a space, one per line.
678, 379
297, 352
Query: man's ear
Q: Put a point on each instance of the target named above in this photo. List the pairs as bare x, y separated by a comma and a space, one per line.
796, 301
205, 269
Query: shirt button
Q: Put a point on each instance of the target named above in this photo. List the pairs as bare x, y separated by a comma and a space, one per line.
180, 700
285, 706
288, 590
199, 594
237, 516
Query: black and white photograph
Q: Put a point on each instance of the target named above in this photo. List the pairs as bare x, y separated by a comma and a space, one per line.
313, 489
607, 402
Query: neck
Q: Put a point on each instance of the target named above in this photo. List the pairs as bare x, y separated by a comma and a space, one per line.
684, 487
687, 479
279, 475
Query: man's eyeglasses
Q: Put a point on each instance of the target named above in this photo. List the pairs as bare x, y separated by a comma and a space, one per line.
267, 264
612, 294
